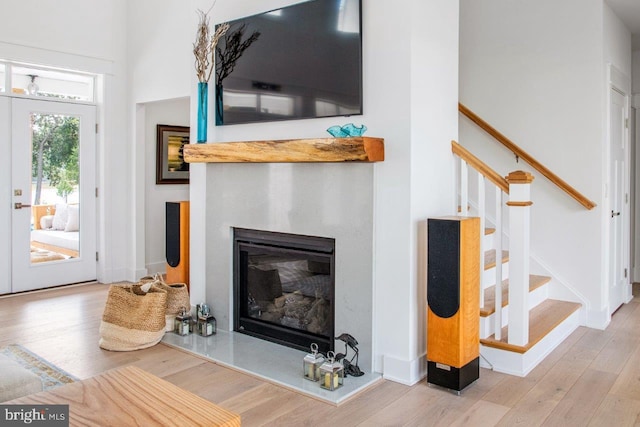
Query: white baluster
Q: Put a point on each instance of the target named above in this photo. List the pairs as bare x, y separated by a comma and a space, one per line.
497, 238
456, 184
464, 188
481, 214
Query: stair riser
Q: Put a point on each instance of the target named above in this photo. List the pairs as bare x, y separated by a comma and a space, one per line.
536, 297
489, 276
488, 241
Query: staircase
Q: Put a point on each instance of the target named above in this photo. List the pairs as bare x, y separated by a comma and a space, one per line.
550, 321
519, 325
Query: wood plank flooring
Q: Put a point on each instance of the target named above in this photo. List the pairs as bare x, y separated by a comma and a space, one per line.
591, 379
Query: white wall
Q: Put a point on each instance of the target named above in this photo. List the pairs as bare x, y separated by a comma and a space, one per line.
635, 71
88, 29
617, 42
173, 112
535, 71
85, 36
160, 37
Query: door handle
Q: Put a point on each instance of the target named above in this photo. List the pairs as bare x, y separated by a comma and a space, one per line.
614, 214
19, 205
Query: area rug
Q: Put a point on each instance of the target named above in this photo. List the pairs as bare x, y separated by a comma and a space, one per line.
51, 375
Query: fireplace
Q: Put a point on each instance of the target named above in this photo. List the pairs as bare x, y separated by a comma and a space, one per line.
284, 288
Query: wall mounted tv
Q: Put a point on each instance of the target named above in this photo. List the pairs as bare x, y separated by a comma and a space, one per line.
301, 61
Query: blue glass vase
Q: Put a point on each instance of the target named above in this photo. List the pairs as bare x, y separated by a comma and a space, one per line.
203, 109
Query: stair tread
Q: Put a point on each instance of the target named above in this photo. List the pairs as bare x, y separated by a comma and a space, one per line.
542, 320
490, 258
489, 230
489, 308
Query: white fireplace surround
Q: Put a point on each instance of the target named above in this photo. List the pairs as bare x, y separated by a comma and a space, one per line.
334, 200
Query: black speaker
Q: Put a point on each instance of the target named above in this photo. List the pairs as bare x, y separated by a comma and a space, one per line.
453, 302
177, 242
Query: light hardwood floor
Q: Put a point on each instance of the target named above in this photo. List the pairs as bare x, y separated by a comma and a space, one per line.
593, 378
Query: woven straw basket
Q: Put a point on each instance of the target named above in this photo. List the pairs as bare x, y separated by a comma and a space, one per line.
177, 293
133, 319
177, 297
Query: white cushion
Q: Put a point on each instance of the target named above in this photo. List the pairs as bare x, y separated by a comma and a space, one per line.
16, 381
73, 218
46, 222
60, 217
65, 239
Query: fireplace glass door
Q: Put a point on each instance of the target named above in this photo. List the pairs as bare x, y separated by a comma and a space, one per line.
284, 288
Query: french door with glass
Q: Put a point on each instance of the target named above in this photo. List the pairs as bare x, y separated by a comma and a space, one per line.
53, 191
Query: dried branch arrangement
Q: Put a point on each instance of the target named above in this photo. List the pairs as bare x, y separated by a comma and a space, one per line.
204, 48
233, 49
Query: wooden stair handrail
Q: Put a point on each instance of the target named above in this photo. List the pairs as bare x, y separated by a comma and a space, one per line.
511, 146
480, 166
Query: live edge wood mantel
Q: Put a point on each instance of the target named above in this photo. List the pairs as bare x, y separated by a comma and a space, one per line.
355, 149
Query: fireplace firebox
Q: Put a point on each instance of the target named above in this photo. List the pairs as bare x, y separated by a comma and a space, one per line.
284, 288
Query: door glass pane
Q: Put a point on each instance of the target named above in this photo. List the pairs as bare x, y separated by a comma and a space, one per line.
55, 187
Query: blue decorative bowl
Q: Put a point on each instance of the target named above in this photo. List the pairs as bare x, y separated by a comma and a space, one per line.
347, 130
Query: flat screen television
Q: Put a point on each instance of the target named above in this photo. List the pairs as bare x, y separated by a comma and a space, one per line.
301, 61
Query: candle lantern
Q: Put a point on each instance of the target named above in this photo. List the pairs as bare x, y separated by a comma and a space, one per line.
331, 373
206, 325
194, 321
182, 322
311, 363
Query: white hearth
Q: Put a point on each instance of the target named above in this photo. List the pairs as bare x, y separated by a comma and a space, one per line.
271, 362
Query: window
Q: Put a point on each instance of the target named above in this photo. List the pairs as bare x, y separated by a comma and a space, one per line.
43, 82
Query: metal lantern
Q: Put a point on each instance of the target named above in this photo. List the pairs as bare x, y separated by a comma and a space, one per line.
206, 325
331, 373
311, 363
182, 322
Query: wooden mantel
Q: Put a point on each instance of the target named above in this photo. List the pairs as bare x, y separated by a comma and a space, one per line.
355, 149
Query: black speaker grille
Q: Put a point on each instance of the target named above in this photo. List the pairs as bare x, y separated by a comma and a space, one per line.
172, 240
443, 271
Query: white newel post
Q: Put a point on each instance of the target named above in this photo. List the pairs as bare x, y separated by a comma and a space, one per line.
519, 231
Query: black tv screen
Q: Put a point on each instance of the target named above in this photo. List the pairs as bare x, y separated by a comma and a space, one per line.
301, 61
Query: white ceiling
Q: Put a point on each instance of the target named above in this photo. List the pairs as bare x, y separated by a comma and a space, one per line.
629, 13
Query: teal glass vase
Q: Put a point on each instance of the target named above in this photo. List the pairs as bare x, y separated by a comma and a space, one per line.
346, 131
203, 109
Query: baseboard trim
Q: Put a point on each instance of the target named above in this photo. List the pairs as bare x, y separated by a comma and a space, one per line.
407, 372
598, 319
112, 275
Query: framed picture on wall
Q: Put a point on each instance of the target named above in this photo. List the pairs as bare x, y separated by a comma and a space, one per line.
170, 165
